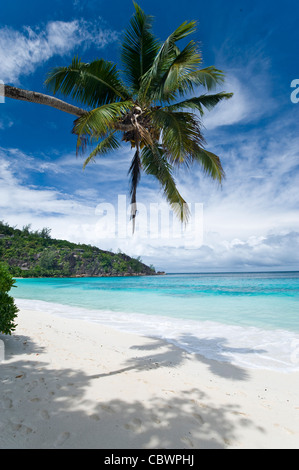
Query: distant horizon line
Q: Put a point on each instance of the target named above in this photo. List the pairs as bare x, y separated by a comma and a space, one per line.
234, 272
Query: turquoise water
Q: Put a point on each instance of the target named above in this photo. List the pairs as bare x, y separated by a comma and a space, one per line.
253, 309
263, 300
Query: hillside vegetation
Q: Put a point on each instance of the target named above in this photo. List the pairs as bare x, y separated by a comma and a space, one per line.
28, 253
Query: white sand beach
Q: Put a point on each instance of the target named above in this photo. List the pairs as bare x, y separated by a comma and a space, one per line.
72, 384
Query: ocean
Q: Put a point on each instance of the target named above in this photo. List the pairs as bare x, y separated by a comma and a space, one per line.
248, 319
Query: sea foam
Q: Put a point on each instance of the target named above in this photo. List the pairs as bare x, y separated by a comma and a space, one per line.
248, 347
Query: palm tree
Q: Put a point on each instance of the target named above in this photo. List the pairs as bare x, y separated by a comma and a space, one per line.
150, 104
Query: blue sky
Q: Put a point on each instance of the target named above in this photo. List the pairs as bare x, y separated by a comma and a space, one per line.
251, 223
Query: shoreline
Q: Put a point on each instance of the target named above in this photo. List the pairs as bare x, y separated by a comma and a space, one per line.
86, 276
246, 346
68, 383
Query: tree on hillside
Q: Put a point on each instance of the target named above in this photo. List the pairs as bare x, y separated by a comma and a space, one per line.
152, 103
8, 309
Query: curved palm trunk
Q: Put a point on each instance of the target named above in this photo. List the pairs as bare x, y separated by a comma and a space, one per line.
40, 98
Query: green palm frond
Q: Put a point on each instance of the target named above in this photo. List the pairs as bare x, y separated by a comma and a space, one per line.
197, 103
107, 145
180, 134
97, 122
167, 53
154, 162
208, 77
183, 142
139, 47
210, 163
165, 88
189, 81
92, 84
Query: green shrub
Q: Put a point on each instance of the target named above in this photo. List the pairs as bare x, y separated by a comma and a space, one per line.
8, 309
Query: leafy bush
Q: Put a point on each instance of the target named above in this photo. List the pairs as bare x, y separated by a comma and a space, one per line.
8, 309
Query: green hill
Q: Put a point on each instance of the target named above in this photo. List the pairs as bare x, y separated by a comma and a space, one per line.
36, 254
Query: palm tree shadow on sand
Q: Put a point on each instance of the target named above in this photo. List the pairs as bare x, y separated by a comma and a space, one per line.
170, 355
58, 413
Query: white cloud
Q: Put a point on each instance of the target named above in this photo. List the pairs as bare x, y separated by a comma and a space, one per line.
274, 252
250, 83
22, 51
259, 193
230, 111
250, 223
23, 204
